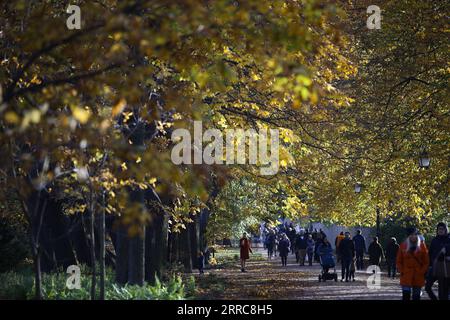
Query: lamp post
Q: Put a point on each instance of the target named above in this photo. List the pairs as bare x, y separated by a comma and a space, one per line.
378, 222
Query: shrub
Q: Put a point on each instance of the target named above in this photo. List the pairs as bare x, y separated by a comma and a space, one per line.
20, 286
13, 244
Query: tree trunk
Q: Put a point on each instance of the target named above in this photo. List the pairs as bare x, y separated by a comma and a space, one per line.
157, 241
92, 248
150, 267
36, 220
193, 239
122, 255
160, 251
102, 248
185, 250
136, 262
37, 274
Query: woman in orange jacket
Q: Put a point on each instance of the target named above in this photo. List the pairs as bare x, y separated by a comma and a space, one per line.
412, 263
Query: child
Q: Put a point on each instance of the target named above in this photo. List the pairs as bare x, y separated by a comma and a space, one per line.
201, 262
352, 269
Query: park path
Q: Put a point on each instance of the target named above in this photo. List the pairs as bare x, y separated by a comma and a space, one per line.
269, 280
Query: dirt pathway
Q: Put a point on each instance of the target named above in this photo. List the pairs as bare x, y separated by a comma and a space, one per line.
269, 280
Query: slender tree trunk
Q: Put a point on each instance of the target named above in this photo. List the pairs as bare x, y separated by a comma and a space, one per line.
92, 236
149, 258
37, 274
161, 244
193, 239
102, 248
35, 239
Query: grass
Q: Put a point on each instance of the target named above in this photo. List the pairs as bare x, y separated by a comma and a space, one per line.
229, 258
213, 286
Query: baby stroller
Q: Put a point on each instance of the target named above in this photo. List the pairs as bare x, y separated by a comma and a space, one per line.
327, 262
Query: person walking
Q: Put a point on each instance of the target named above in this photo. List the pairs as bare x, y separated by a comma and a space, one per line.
246, 247
375, 252
412, 263
270, 244
292, 235
337, 241
439, 247
284, 248
347, 253
315, 234
201, 262
360, 249
310, 249
323, 235
324, 249
301, 245
391, 256
318, 242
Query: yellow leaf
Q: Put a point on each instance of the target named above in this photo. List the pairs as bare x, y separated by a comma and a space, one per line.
127, 116
12, 117
80, 114
35, 80
118, 108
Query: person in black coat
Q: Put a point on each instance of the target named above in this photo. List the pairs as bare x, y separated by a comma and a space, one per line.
375, 252
292, 235
439, 242
317, 243
360, 249
284, 248
347, 252
270, 244
391, 257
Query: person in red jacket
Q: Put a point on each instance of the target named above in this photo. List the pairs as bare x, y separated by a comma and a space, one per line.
412, 263
246, 247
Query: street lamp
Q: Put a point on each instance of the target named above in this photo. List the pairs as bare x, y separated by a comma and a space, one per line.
358, 187
424, 160
378, 222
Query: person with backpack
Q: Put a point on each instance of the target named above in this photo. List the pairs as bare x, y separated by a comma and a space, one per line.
439, 249
375, 252
283, 248
412, 263
391, 256
347, 253
360, 249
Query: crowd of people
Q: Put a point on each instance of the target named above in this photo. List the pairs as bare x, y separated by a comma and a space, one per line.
417, 264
